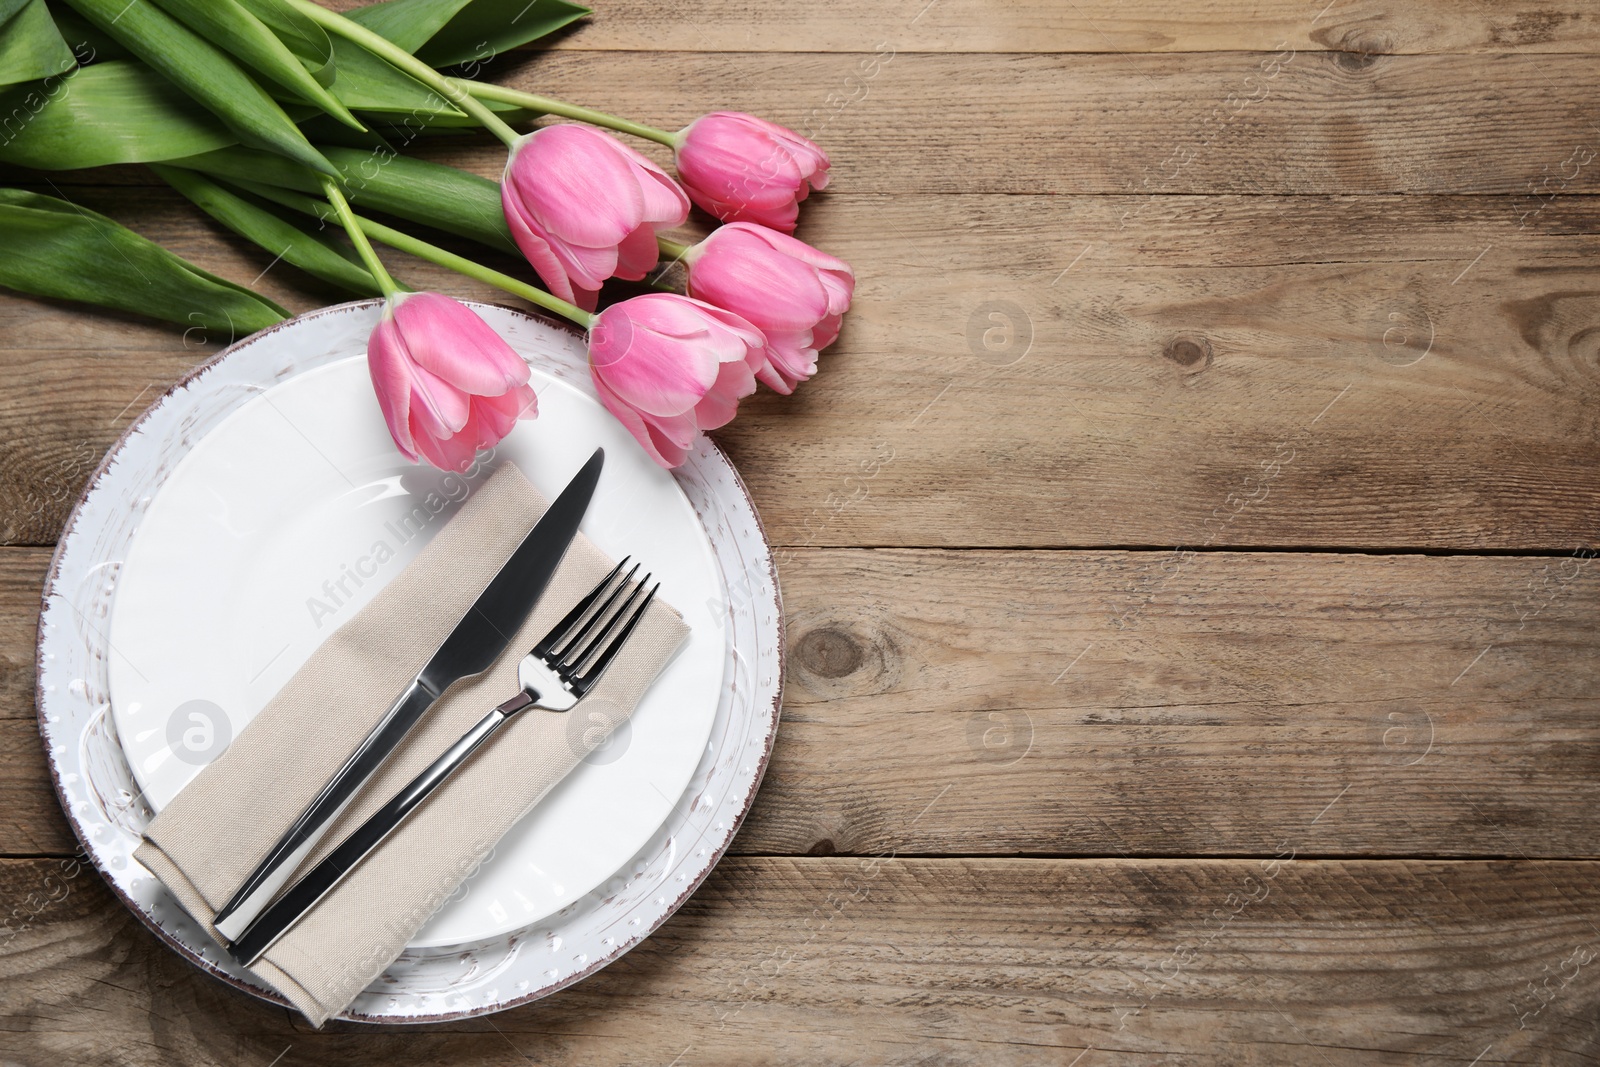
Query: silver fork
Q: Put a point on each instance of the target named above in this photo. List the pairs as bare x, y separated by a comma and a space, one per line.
563, 667
554, 676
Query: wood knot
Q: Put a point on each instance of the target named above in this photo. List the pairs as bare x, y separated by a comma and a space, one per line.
1354, 50
1354, 62
1193, 354
829, 653
836, 657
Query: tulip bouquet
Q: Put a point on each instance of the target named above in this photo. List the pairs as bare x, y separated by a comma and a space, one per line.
282, 118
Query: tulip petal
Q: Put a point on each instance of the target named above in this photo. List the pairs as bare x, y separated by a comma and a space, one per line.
536, 247
499, 414
825, 332
637, 255
669, 366
588, 267
391, 382
436, 405
665, 204
743, 168
662, 451
661, 382
721, 403
750, 278
774, 380
448, 339
579, 183
452, 453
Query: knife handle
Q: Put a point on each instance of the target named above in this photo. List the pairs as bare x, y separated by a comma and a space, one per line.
304, 894
297, 842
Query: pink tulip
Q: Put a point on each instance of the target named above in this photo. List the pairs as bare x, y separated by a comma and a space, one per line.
787, 289
744, 169
669, 366
446, 382
584, 207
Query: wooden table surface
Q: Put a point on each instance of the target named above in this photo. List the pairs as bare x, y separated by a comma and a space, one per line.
1305, 289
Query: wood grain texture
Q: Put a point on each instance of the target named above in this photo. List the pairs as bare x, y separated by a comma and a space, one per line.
1220, 275
1061, 372
22, 574
1213, 703
1119, 704
1086, 26
890, 961
1290, 122
1360, 26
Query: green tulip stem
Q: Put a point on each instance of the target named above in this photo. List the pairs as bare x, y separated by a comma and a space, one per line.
347, 219
671, 248
360, 229
550, 106
461, 265
386, 49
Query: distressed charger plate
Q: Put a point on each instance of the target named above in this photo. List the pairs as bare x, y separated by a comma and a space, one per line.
542, 912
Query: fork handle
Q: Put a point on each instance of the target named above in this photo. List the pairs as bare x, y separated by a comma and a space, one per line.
303, 895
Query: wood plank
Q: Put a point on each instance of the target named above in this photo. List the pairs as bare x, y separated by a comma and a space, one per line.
31, 821
993, 962
1213, 703
1195, 371
1111, 703
22, 573
1370, 27
1242, 370
1073, 124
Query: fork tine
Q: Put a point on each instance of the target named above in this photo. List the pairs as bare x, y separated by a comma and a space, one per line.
582, 683
559, 630
563, 655
572, 662
576, 621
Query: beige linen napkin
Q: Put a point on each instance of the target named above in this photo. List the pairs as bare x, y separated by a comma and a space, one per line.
204, 844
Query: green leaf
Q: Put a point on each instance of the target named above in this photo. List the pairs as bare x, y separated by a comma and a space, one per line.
378, 180
31, 47
369, 83
58, 249
197, 67
430, 193
239, 162
86, 42
313, 254
305, 38
365, 82
229, 26
117, 112
450, 32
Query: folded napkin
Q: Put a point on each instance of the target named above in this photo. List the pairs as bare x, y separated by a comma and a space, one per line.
205, 843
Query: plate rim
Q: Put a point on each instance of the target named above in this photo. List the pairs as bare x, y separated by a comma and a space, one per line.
50, 590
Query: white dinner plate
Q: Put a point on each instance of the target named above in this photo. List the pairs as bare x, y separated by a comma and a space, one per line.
284, 520
190, 580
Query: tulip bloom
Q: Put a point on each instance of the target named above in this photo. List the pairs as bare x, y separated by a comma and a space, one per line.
669, 366
790, 291
584, 207
744, 169
448, 384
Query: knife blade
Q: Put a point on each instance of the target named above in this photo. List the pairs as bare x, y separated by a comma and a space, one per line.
475, 643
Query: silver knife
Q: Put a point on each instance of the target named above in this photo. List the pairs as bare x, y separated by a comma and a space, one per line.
472, 647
